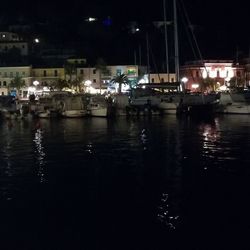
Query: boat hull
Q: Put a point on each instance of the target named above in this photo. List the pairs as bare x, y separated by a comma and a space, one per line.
74, 113
100, 112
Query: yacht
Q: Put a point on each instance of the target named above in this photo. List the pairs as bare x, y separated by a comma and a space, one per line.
234, 103
199, 103
162, 98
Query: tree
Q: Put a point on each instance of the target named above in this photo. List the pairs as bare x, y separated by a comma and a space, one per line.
208, 84
77, 83
236, 82
60, 84
17, 83
70, 69
120, 79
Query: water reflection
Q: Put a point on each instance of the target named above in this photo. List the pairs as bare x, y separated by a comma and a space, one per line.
165, 214
40, 154
121, 177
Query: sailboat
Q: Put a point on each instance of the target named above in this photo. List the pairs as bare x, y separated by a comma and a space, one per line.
163, 98
197, 103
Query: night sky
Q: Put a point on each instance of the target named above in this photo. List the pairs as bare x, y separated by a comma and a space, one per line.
220, 27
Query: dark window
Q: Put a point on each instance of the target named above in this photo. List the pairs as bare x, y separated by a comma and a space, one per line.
94, 80
152, 80
81, 71
94, 71
44, 73
55, 72
118, 72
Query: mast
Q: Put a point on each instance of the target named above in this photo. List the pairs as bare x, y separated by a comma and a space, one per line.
148, 64
166, 38
176, 48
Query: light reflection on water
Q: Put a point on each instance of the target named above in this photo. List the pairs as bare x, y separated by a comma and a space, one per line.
40, 154
112, 176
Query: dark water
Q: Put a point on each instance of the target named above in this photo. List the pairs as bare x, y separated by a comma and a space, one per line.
135, 184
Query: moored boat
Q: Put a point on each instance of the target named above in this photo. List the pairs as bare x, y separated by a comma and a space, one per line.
100, 106
234, 103
72, 106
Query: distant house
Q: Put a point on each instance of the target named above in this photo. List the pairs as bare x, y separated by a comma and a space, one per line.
9, 40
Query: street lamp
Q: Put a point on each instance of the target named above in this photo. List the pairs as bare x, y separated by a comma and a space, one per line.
36, 83
184, 79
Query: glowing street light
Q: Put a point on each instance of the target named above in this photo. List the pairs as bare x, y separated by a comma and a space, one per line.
35, 83
87, 83
184, 79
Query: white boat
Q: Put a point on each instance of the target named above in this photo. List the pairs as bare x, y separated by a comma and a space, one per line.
72, 106
153, 96
74, 113
99, 106
234, 103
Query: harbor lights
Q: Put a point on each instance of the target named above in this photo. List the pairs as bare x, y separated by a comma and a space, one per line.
184, 79
35, 83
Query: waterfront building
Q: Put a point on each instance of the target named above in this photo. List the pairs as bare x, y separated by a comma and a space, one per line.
209, 75
8, 74
97, 80
162, 78
47, 76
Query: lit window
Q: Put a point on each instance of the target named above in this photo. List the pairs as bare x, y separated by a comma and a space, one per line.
131, 72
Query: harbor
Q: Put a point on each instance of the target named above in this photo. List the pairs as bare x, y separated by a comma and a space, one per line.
124, 127
140, 183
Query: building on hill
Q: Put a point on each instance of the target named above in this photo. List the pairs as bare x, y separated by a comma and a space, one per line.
10, 41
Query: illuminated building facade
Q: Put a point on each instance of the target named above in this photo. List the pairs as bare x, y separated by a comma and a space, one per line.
7, 74
220, 74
